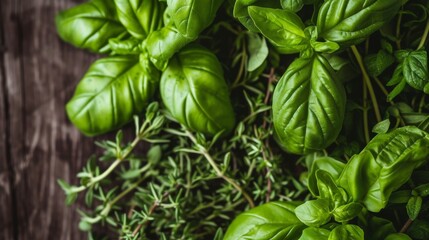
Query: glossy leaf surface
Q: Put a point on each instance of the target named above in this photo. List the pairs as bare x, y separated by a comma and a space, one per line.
330, 165
349, 232
313, 233
125, 47
163, 44
415, 68
194, 91
140, 17
242, 14
283, 28
292, 5
314, 213
190, 17
263, 221
350, 22
89, 25
384, 165
308, 106
110, 93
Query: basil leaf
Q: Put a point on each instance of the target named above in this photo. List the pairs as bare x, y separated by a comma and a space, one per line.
415, 69
384, 165
292, 5
89, 25
192, 16
329, 190
163, 44
314, 213
308, 106
330, 165
347, 212
140, 17
276, 215
318, 46
242, 14
283, 28
275, 231
193, 90
381, 127
350, 22
377, 63
423, 190
111, 92
414, 206
258, 51
349, 232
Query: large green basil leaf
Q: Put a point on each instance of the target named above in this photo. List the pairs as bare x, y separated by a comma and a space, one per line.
266, 219
349, 22
192, 16
111, 92
384, 165
194, 91
283, 28
140, 17
308, 106
163, 44
328, 164
89, 25
242, 14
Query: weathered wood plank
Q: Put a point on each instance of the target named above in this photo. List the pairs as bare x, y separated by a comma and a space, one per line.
6, 195
40, 75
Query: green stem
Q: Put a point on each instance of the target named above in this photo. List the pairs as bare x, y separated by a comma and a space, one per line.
110, 204
219, 173
111, 168
365, 112
398, 31
240, 73
368, 83
424, 37
122, 194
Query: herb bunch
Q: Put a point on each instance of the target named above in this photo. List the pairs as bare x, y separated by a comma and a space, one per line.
248, 103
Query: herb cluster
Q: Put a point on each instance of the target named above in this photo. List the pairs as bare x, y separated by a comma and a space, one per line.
256, 118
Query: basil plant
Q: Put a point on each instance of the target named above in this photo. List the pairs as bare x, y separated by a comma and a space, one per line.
309, 101
342, 193
146, 43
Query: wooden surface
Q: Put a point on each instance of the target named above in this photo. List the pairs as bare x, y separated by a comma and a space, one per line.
38, 145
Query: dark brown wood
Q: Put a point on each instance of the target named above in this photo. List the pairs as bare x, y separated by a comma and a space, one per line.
38, 74
6, 194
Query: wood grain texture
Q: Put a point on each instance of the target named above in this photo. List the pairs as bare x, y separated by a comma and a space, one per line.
6, 195
38, 74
